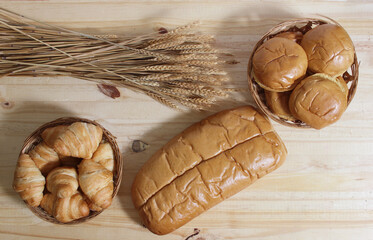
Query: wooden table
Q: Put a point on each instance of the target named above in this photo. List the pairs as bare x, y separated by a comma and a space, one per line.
323, 191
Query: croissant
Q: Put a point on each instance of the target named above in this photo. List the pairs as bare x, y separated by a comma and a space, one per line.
92, 206
45, 158
65, 209
80, 139
28, 181
62, 181
104, 155
96, 183
51, 134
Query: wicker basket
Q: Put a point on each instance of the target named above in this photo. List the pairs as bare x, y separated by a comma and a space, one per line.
35, 138
303, 25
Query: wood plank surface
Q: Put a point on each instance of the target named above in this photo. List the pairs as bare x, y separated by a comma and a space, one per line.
324, 190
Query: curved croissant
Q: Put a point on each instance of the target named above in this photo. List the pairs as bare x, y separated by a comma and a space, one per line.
28, 181
51, 134
92, 206
96, 183
44, 157
104, 155
80, 139
65, 209
62, 181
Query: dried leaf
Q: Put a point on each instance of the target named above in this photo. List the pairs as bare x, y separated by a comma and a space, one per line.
109, 90
232, 62
139, 146
162, 30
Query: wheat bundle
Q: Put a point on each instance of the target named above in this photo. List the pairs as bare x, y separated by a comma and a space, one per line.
177, 68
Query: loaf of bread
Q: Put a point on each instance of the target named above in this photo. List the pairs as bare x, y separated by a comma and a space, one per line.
205, 164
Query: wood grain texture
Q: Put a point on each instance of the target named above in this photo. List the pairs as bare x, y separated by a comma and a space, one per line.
323, 191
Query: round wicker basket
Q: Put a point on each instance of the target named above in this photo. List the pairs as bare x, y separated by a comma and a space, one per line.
303, 25
35, 138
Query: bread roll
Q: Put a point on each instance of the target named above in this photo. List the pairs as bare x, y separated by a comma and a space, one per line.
329, 49
278, 102
45, 158
319, 100
205, 164
278, 63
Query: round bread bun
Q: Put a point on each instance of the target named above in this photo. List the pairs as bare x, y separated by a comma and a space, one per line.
278, 63
278, 102
318, 100
329, 49
294, 36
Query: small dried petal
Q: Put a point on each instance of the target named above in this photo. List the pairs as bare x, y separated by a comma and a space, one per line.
109, 90
162, 30
139, 146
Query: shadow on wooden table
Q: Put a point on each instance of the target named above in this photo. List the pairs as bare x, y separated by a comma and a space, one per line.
18, 121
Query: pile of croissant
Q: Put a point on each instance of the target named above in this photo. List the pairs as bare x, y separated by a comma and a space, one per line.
69, 158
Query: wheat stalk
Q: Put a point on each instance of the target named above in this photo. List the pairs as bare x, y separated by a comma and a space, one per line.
176, 68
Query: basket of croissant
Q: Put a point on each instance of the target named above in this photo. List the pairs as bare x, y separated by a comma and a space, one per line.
69, 170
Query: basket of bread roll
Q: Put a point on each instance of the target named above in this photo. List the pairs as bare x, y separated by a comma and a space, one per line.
303, 73
69, 170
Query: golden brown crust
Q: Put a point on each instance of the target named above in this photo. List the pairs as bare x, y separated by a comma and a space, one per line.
205, 164
96, 183
329, 49
28, 181
278, 63
50, 135
65, 209
278, 102
79, 139
44, 157
342, 84
63, 181
318, 101
104, 155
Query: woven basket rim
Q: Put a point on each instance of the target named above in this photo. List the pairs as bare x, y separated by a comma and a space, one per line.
285, 27
35, 138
